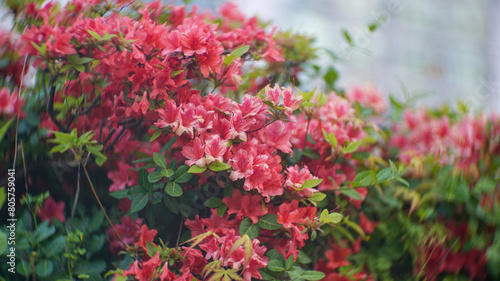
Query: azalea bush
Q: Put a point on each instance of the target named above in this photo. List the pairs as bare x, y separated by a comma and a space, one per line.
160, 142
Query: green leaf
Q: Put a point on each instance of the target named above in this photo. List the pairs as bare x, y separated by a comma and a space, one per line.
334, 218
167, 173
331, 76
182, 175
316, 197
143, 178
276, 266
355, 226
175, 73
462, 192
248, 228
351, 147
173, 189
24, 268
4, 128
44, 268
55, 246
155, 135
332, 140
95, 222
95, 35
172, 204
313, 275
347, 36
311, 183
307, 103
221, 210
138, 203
289, 263
160, 160
270, 222
364, 178
94, 268
384, 174
168, 145
353, 193
41, 49
235, 54
79, 67
218, 166
155, 176
213, 202
403, 181
3, 196
120, 194
196, 169
44, 231
3, 242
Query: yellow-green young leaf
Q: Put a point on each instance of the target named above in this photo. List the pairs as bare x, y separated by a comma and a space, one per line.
246, 241
317, 197
95, 35
306, 96
321, 99
323, 215
334, 218
307, 103
41, 49
236, 54
196, 169
196, 240
100, 160
330, 138
210, 267
351, 147
218, 166
4, 128
175, 73
3, 195
155, 135
311, 183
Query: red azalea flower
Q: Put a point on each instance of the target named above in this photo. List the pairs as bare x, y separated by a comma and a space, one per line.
51, 210
146, 236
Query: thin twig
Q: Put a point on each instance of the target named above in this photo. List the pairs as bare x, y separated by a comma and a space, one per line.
77, 192
265, 125
100, 205
94, 102
179, 233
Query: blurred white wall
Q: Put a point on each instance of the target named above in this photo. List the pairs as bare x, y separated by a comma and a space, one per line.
446, 50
